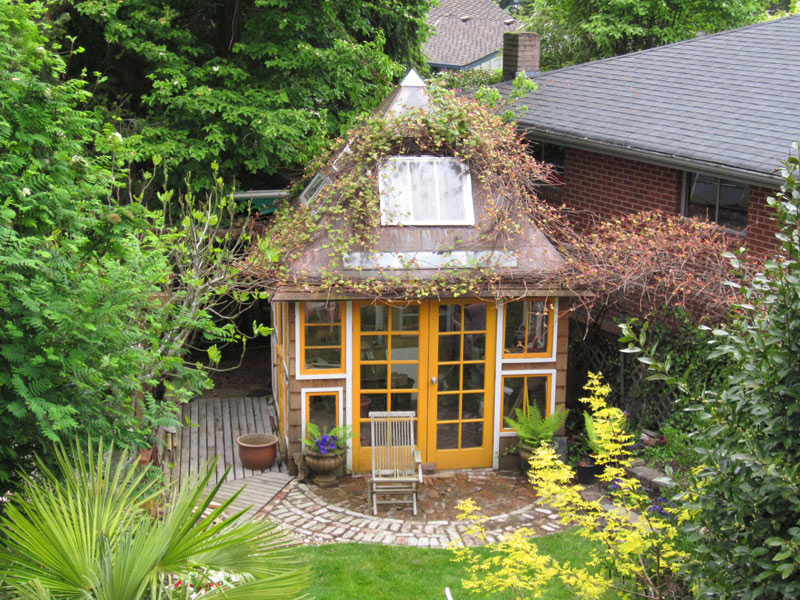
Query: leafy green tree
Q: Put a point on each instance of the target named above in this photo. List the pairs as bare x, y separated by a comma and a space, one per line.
87, 531
98, 296
575, 31
745, 500
256, 85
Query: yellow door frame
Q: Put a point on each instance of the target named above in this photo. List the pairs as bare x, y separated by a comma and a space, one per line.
427, 387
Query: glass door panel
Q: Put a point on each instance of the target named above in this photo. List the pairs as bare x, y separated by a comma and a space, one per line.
388, 369
460, 417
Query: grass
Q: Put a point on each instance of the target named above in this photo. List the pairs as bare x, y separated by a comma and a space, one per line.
377, 572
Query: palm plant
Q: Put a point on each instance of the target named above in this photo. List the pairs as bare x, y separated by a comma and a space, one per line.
84, 531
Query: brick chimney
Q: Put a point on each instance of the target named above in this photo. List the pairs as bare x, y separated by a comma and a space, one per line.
520, 53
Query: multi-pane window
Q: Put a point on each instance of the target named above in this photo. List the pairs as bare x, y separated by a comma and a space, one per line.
321, 327
425, 190
718, 200
523, 391
528, 329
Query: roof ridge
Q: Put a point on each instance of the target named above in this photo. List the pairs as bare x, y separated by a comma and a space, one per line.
682, 42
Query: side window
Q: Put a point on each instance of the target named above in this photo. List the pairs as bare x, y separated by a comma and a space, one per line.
528, 329
322, 409
322, 337
720, 201
523, 391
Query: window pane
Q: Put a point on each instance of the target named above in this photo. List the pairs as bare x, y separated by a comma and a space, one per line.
449, 317
372, 402
373, 347
449, 377
538, 321
374, 317
515, 328
405, 318
474, 346
471, 435
450, 348
322, 312
513, 397
732, 211
322, 410
475, 317
373, 377
422, 191
473, 376
323, 358
447, 436
323, 335
404, 401
537, 393
447, 407
472, 406
452, 176
405, 347
404, 376
393, 180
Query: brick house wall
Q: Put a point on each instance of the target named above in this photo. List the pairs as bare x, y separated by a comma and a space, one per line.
597, 184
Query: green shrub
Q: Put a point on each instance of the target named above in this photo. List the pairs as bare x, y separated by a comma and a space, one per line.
745, 497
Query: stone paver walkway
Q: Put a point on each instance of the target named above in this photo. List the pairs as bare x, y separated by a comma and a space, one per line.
301, 511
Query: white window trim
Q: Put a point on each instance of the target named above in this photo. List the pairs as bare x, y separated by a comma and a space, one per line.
299, 376
500, 397
501, 317
319, 390
404, 218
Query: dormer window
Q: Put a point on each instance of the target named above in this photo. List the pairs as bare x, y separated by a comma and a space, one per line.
425, 190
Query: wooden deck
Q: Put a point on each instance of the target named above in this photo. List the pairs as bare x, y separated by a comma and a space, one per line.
211, 428
258, 490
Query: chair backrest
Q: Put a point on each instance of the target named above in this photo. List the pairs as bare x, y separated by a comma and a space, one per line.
392, 443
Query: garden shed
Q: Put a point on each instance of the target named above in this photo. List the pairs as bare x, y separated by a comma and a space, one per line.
422, 283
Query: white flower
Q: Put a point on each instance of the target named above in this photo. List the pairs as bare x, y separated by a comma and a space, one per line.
215, 68
26, 191
115, 137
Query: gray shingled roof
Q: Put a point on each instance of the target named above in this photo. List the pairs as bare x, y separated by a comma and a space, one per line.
727, 103
457, 42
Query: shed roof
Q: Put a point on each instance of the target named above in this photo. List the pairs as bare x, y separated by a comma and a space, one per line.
466, 31
726, 103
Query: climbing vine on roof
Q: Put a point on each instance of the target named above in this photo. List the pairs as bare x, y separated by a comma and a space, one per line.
633, 264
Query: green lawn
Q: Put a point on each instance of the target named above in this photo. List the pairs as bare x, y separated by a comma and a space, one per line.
377, 572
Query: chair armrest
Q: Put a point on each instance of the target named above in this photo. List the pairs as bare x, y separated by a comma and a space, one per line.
418, 462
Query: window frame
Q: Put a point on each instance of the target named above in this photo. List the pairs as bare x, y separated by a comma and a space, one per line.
320, 391
548, 374
393, 219
549, 354
688, 177
317, 373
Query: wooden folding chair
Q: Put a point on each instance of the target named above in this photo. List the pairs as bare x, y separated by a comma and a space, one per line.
396, 462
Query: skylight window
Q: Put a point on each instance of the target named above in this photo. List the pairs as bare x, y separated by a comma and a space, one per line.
425, 190
317, 182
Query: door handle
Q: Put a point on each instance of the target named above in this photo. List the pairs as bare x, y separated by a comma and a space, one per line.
434, 380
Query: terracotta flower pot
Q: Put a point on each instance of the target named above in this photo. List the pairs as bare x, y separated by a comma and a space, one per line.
257, 451
324, 465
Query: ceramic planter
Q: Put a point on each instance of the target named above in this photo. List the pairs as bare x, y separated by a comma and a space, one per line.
324, 465
257, 451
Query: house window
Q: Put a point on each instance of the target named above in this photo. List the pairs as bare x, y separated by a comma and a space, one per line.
720, 201
322, 338
322, 409
425, 190
520, 391
528, 329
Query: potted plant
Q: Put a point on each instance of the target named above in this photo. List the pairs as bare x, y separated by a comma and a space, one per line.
587, 468
325, 451
533, 429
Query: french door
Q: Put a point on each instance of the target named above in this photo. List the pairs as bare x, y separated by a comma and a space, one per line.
435, 358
